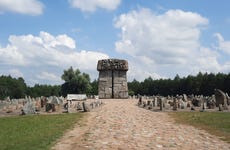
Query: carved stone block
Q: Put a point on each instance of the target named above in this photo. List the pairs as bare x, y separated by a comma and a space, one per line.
112, 78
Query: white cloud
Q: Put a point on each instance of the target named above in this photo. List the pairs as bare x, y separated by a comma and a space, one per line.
139, 69
92, 5
10, 55
46, 47
165, 44
206, 60
33, 54
172, 34
226, 67
60, 40
223, 45
48, 76
29, 7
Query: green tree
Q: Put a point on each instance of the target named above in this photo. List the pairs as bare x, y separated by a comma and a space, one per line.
94, 88
12, 87
147, 90
202, 83
44, 90
75, 82
134, 87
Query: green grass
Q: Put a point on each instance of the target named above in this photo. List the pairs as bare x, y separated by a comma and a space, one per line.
216, 123
34, 132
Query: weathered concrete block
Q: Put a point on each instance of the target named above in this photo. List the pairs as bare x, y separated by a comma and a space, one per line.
112, 78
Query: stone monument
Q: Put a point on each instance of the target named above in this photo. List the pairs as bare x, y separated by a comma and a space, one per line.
221, 98
112, 82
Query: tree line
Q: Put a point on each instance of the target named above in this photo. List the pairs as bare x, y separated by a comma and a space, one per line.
76, 82
200, 84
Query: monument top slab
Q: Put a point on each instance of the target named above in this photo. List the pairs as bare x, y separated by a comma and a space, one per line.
112, 64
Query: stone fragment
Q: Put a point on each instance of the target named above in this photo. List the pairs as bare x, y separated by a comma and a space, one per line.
211, 102
148, 102
155, 102
140, 101
203, 106
185, 98
221, 99
220, 107
79, 106
174, 104
196, 102
29, 107
85, 107
228, 99
161, 104
144, 104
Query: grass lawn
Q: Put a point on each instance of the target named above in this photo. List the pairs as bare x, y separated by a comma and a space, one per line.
216, 123
34, 131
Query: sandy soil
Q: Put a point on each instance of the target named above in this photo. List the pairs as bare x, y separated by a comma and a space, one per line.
121, 125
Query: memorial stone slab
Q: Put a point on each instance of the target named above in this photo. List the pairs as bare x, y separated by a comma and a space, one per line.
112, 82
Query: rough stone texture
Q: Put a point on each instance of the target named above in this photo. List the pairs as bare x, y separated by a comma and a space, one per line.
174, 104
185, 98
121, 125
220, 98
29, 107
161, 103
112, 64
85, 107
112, 78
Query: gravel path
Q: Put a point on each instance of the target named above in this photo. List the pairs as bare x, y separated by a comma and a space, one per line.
121, 125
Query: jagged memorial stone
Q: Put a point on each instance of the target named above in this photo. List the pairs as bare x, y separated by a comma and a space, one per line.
221, 99
112, 82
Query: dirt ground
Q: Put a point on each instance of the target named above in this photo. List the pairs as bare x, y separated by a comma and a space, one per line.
121, 125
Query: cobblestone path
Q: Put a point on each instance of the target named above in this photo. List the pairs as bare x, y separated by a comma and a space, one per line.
121, 125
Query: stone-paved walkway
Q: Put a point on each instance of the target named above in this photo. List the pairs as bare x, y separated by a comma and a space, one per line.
121, 125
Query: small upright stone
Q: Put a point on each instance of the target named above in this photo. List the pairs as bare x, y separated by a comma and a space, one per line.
79, 106
203, 106
144, 104
85, 107
161, 104
140, 101
156, 102
220, 107
174, 104
148, 102
185, 98
228, 99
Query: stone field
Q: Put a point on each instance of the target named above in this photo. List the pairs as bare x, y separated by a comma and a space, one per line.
46, 105
120, 125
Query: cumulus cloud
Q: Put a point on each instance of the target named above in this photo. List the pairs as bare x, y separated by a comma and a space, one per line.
10, 55
206, 60
29, 7
48, 76
166, 44
40, 55
92, 5
223, 45
60, 40
172, 34
139, 69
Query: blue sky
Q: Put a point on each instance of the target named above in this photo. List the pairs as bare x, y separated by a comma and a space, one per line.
159, 38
